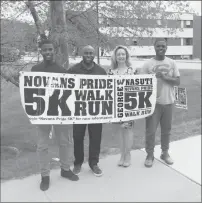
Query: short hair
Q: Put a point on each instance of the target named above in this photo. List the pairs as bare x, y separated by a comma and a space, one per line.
88, 47
160, 40
114, 63
45, 41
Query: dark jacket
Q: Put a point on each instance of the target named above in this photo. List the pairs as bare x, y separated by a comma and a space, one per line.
80, 68
51, 68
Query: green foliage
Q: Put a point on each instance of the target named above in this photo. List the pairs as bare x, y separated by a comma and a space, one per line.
123, 17
81, 18
18, 34
82, 29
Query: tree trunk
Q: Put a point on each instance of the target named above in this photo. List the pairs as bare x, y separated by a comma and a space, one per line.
59, 32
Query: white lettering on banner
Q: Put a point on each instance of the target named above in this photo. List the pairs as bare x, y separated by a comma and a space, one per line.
54, 98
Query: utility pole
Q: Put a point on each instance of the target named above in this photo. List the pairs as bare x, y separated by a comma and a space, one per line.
98, 34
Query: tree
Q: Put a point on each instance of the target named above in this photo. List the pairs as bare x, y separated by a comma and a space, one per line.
74, 21
82, 28
18, 34
59, 32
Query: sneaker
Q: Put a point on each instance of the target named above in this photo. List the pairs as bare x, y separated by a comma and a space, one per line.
127, 161
45, 182
96, 170
77, 169
166, 157
121, 161
69, 175
149, 161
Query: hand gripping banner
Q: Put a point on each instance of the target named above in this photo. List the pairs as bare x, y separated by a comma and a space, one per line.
56, 98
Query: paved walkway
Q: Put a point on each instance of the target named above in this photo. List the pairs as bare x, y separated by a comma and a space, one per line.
187, 155
161, 183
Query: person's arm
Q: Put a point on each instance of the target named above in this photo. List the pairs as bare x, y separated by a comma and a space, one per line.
175, 81
172, 80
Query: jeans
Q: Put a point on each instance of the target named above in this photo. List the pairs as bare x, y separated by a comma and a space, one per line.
162, 114
63, 138
95, 132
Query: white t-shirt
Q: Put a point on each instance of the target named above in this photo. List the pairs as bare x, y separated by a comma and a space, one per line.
165, 91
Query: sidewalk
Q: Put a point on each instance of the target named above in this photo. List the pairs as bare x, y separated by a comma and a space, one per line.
187, 155
133, 184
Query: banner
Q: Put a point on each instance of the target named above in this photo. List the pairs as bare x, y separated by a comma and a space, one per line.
180, 97
55, 98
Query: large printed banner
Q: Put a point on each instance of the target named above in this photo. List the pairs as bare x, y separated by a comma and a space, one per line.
54, 98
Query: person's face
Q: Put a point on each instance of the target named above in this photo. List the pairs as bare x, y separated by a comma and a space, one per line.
121, 56
160, 48
47, 51
88, 55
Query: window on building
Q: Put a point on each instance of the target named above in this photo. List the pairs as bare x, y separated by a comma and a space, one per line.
127, 41
117, 21
188, 23
188, 41
126, 22
108, 22
159, 23
133, 21
135, 42
125, 12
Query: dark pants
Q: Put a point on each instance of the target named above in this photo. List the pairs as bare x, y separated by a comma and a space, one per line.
163, 115
95, 132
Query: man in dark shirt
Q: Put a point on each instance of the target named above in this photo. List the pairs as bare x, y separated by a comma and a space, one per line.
62, 132
89, 67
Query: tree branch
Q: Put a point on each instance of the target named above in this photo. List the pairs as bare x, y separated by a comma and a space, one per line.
9, 79
35, 16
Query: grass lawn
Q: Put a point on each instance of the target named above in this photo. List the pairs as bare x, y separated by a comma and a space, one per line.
16, 131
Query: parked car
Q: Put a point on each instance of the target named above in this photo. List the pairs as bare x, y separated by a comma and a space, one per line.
9, 54
185, 57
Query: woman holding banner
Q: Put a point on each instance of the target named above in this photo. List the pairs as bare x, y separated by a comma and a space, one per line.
120, 65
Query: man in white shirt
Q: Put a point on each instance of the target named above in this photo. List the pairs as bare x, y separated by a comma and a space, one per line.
168, 76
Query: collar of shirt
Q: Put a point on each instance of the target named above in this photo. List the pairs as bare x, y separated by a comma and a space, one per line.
46, 65
86, 68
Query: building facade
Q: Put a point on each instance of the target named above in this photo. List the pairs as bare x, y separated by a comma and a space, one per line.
197, 37
180, 30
